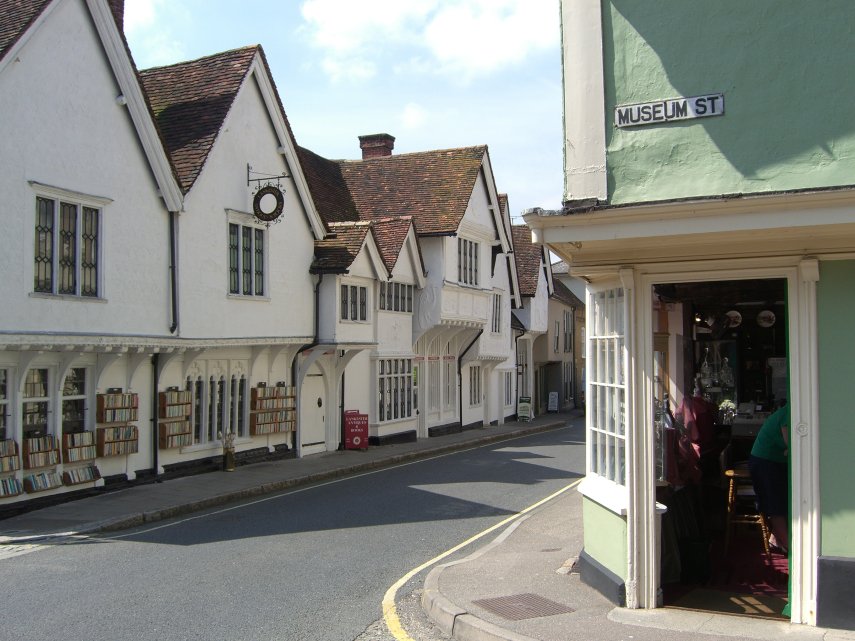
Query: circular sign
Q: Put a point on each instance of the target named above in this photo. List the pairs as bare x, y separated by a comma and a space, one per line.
734, 318
267, 214
357, 440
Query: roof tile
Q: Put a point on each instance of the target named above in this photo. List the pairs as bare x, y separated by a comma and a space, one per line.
528, 257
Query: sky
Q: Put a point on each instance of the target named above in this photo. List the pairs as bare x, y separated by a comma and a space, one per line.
436, 74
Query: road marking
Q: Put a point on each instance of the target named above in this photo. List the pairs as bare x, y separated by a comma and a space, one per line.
390, 612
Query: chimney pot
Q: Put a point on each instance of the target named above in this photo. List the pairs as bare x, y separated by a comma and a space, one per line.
376, 145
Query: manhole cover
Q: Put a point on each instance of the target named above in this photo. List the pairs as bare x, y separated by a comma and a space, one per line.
522, 606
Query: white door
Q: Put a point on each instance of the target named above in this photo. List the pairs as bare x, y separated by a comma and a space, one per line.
313, 415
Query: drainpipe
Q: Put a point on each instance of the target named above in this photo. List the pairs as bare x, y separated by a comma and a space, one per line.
516, 371
341, 410
155, 382
173, 275
460, 376
302, 349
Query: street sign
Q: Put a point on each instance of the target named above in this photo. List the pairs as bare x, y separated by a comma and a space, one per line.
355, 430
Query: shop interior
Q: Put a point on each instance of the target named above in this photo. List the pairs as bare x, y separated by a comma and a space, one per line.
720, 360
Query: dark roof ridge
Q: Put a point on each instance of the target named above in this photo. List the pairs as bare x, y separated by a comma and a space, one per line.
408, 154
213, 56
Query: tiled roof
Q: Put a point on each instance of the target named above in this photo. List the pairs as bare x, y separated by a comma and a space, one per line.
15, 17
528, 257
561, 267
434, 187
563, 294
339, 249
327, 187
190, 101
391, 234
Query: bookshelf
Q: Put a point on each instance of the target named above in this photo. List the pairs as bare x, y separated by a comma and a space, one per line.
115, 434
272, 410
41, 451
76, 476
41, 481
9, 462
78, 447
175, 429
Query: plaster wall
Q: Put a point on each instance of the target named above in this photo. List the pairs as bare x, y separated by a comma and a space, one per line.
61, 126
207, 309
779, 64
836, 307
605, 536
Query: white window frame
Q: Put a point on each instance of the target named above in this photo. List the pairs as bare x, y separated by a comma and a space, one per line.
474, 386
235, 258
47, 399
396, 297
395, 389
82, 398
496, 325
509, 388
468, 255
449, 367
353, 303
59, 197
5, 403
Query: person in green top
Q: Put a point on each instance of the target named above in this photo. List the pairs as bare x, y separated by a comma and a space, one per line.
769, 468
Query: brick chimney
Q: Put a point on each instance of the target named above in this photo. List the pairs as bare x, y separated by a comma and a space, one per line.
376, 145
118, 9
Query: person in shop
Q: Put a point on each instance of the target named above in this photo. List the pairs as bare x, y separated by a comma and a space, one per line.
768, 464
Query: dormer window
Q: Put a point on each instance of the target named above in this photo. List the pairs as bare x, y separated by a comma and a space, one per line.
354, 303
467, 262
396, 297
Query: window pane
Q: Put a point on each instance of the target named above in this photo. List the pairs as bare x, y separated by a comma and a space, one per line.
67, 248
234, 259
409, 298
242, 393
259, 262
382, 296
344, 306
44, 246
363, 303
354, 302
35, 416
89, 253
197, 388
247, 260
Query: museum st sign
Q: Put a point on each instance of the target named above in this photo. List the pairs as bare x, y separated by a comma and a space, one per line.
650, 113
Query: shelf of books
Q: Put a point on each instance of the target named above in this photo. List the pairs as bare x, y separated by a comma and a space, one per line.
41, 482
10, 462
175, 429
78, 447
42, 451
115, 434
272, 410
78, 475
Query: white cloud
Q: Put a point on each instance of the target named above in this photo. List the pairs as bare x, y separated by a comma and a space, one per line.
414, 116
461, 38
140, 15
152, 42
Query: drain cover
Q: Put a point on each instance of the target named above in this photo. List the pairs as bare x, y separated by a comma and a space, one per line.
522, 606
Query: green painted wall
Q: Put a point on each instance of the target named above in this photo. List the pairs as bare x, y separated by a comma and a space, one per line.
605, 536
836, 309
784, 67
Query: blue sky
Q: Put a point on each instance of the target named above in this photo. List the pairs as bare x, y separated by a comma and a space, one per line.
433, 73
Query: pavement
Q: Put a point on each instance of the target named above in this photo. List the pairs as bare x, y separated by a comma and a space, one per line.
521, 586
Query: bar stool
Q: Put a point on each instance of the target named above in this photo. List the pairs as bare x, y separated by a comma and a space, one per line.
742, 505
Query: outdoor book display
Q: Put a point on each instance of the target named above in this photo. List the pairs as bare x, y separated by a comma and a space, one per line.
9, 462
79, 447
116, 435
175, 429
273, 410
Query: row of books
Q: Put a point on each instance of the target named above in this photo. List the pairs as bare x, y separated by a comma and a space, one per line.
280, 402
81, 475
119, 448
42, 481
119, 433
40, 443
79, 439
8, 448
111, 401
273, 428
81, 453
9, 463
176, 396
10, 486
176, 411
178, 440
42, 459
273, 417
273, 392
122, 415
178, 427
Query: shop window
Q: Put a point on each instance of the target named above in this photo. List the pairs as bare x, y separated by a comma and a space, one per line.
474, 385
395, 388
74, 401
36, 403
4, 405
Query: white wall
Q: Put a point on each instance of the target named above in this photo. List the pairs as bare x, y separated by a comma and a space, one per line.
61, 126
207, 309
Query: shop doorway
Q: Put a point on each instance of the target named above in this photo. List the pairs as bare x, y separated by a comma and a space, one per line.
720, 369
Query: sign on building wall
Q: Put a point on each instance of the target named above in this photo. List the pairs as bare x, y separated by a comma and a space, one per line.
651, 113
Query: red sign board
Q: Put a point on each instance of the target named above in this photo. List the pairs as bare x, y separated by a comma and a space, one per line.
355, 430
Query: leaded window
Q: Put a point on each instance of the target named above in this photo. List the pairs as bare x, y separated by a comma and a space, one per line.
246, 260
66, 249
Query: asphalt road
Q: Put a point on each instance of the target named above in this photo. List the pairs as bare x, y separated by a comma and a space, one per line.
311, 564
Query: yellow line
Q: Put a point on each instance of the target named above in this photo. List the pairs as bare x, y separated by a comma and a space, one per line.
390, 612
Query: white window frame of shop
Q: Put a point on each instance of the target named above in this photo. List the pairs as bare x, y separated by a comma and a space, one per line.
395, 389
607, 397
220, 405
71, 398
467, 262
5, 402
449, 367
47, 400
474, 386
246, 280
396, 297
353, 303
61, 250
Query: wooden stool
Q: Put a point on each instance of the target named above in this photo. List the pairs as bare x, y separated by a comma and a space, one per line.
742, 506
